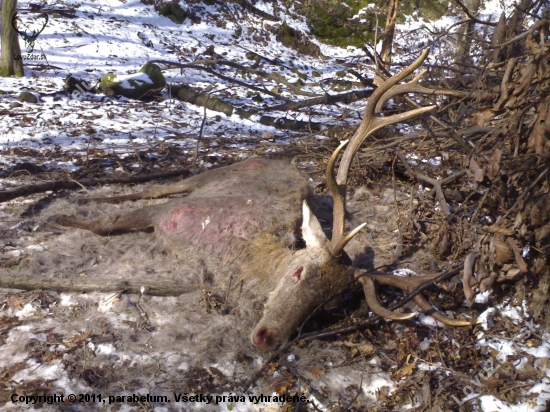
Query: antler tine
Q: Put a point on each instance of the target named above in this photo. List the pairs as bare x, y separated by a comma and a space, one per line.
338, 241
408, 284
367, 126
376, 307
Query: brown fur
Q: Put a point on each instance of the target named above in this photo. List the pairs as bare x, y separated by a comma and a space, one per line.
238, 221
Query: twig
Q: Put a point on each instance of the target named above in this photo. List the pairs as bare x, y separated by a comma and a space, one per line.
82, 186
196, 155
436, 183
471, 16
520, 197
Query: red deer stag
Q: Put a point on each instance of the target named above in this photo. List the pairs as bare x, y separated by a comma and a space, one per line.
238, 217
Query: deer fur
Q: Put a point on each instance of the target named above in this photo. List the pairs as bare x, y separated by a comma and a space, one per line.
241, 221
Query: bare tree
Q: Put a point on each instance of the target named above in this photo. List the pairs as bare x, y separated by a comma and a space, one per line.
385, 54
9, 65
467, 30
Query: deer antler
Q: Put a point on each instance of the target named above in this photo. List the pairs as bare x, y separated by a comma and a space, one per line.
369, 124
337, 187
408, 284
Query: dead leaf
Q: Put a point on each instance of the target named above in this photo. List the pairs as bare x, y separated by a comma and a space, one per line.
506, 84
272, 367
536, 138
383, 393
282, 384
81, 337
468, 279
366, 349
542, 232
511, 275
494, 164
479, 173
522, 266
406, 370
526, 78
6, 323
482, 270
502, 252
16, 301
498, 229
484, 114
315, 372
486, 283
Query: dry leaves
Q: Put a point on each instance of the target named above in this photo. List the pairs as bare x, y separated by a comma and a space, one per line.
406, 370
483, 115
282, 384
479, 173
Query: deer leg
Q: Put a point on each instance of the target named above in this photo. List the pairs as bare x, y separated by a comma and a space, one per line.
136, 220
153, 193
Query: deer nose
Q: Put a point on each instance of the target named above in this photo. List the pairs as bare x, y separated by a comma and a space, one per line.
265, 338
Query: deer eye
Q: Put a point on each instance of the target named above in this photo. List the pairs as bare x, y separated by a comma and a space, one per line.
297, 274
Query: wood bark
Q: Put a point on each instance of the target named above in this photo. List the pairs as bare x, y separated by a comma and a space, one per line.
385, 54
9, 65
149, 287
467, 32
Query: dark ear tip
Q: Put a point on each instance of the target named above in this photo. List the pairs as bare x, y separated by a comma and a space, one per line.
60, 219
53, 219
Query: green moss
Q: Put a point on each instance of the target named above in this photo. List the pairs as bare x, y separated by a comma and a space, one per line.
332, 22
172, 10
138, 88
4, 72
107, 81
294, 39
428, 9
28, 97
154, 73
299, 73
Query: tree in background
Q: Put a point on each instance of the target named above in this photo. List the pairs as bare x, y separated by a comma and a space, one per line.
9, 66
467, 32
391, 17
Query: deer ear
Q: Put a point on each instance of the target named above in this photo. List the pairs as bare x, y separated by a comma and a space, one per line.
312, 232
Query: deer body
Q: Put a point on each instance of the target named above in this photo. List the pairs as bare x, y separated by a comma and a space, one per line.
241, 220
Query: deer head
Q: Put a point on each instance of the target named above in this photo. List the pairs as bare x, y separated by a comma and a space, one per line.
316, 270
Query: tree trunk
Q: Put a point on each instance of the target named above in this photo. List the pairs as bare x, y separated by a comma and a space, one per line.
385, 54
9, 65
466, 33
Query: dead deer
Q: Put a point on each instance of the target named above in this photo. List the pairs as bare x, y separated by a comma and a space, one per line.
240, 217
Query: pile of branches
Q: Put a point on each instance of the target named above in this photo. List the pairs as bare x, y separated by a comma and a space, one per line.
494, 212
